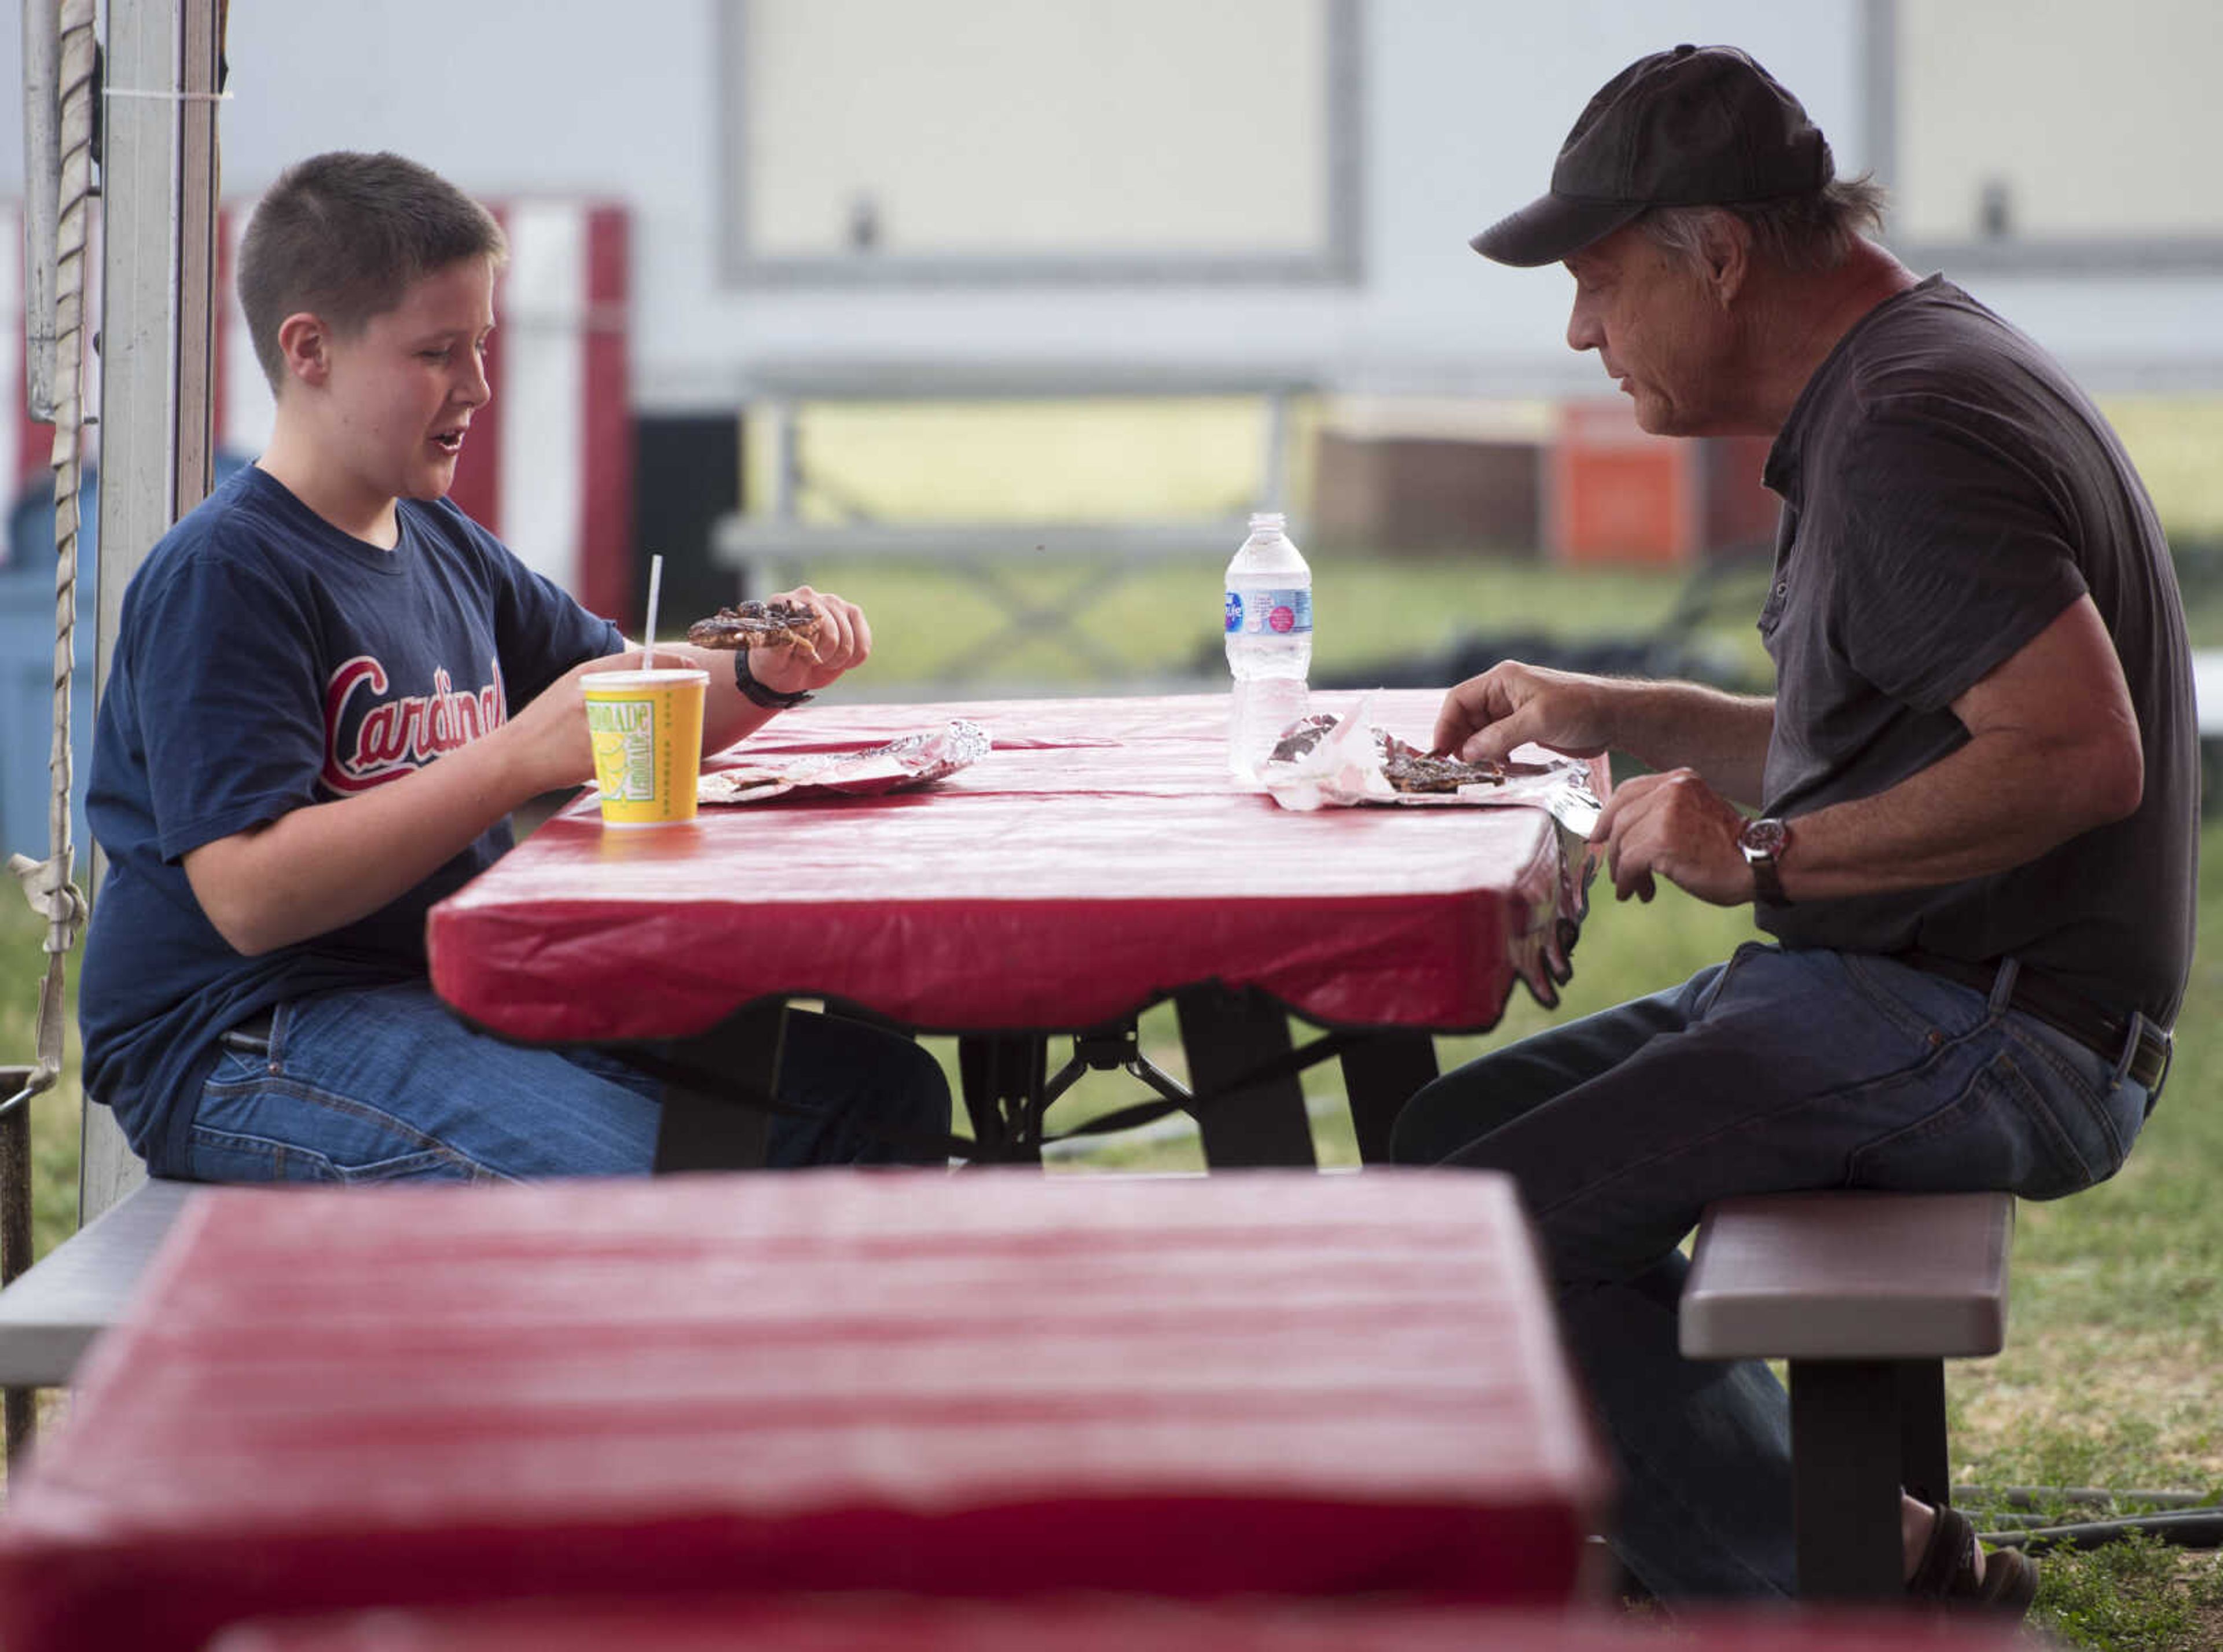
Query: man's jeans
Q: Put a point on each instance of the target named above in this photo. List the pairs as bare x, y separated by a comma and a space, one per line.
374, 1085
1776, 1071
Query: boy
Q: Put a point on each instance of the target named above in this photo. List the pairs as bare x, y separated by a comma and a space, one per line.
330, 690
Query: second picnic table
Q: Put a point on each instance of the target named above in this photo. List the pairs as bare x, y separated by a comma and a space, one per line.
1096, 862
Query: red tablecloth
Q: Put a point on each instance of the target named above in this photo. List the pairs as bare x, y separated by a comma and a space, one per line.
1096, 860
986, 1385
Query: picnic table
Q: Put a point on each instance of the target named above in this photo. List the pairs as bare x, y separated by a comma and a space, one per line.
1104, 1625
1096, 862
982, 1387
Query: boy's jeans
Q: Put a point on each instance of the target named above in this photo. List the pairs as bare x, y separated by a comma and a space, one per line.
1776, 1071
387, 1083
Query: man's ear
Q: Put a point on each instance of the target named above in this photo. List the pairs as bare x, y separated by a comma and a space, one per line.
1725, 255
305, 343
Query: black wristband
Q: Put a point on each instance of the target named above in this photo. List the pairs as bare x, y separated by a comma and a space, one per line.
757, 694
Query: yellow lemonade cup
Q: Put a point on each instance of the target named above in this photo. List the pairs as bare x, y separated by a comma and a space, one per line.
647, 730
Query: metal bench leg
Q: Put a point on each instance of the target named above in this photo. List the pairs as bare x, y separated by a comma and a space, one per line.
702, 1130
1001, 1075
1381, 1072
1845, 1443
1227, 1034
1924, 1466
21, 1403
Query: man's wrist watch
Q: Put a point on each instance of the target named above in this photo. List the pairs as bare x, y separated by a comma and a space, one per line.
757, 694
1764, 842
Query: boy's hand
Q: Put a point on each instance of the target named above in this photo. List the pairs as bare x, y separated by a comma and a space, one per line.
550, 747
324, 864
845, 641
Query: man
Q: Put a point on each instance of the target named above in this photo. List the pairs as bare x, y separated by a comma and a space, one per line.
1976, 785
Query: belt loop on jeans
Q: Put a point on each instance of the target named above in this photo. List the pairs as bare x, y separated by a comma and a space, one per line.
2003, 985
2133, 1044
2139, 1026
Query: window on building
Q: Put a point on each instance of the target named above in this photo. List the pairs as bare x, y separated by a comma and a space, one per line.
2071, 136
886, 140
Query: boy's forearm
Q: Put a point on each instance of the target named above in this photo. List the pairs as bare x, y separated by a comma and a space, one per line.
727, 715
325, 865
328, 864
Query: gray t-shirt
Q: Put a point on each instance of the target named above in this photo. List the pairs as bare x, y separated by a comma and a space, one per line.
1948, 493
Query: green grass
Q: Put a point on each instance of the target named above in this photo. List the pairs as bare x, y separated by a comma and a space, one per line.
1162, 622
2110, 1377
2135, 1595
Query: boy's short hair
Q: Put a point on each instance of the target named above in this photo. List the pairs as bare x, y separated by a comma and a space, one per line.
344, 236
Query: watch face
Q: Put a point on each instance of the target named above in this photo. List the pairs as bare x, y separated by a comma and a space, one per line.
1766, 838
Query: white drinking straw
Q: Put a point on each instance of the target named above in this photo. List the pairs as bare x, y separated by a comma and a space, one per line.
648, 630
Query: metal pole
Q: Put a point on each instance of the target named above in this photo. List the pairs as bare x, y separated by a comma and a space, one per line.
41, 192
18, 1406
201, 46
159, 180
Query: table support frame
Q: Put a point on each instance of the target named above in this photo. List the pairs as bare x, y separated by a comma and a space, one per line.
705, 1128
1246, 1097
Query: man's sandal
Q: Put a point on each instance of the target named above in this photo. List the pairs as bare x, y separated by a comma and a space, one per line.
1947, 1571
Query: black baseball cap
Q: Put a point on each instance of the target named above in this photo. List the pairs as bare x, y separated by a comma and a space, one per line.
1696, 126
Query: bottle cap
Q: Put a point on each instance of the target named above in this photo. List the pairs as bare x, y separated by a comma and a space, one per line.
1275, 519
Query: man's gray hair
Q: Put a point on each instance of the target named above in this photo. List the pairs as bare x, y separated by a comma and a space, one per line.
1802, 233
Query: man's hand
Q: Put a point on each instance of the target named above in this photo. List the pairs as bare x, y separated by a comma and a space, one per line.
845, 641
1676, 827
1664, 724
1511, 704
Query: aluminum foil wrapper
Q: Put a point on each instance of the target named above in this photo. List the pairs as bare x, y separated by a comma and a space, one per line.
1326, 761
908, 761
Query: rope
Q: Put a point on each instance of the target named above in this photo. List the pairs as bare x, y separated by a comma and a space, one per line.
46, 883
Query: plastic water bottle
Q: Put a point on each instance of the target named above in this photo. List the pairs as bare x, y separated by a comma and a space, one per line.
1270, 642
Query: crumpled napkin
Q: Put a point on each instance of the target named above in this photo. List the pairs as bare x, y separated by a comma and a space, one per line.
910, 760
1344, 769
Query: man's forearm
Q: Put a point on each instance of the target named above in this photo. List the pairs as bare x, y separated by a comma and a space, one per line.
2000, 802
1684, 726
2054, 750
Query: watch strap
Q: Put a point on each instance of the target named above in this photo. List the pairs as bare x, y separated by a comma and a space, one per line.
1762, 841
757, 694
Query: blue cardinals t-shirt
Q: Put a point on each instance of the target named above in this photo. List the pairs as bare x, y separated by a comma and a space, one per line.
266, 660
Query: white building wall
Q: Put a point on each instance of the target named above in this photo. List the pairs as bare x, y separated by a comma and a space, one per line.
1465, 101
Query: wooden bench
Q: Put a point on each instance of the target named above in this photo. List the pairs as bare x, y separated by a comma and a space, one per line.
1866, 1295
2207, 699
51, 1313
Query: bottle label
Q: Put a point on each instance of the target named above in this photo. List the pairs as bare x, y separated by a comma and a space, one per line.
1281, 612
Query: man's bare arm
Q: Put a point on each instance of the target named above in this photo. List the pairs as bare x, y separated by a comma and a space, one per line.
1721, 737
2053, 750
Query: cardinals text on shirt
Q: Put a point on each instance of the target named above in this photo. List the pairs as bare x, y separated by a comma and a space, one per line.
370, 740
